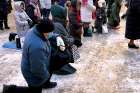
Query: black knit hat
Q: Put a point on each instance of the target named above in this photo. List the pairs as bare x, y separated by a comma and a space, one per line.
45, 26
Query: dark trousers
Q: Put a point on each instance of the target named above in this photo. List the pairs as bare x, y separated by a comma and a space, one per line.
45, 13
3, 19
30, 89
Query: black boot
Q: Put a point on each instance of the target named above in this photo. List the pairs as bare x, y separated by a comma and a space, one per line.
133, 46
18, 43
1, 25
9, 88
49, 85
6, 25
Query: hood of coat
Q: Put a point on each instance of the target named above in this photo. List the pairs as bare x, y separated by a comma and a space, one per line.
18, 6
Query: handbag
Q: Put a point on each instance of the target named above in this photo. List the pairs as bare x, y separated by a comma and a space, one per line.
104, 28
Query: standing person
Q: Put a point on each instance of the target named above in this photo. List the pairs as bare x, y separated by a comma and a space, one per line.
45, 6
4, 14
87, 9
101, 18
33, 11
35, 64
132, 23
22, 19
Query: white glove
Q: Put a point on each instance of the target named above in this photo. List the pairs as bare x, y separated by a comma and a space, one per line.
60, 43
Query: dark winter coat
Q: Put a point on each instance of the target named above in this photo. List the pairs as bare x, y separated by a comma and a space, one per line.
114, 18
36, 58
133, 20
59, 29
59, 14
75, 25
30, 12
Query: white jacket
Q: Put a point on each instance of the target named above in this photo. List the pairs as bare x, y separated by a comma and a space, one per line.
45, 4
21, 18
86, 11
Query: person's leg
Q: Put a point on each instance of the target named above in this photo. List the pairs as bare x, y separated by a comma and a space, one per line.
1, 20
131, 44
49, 84
6, 21
47, 13
34, 89
21, 89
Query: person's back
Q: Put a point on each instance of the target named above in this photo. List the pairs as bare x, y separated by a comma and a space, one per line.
34, 42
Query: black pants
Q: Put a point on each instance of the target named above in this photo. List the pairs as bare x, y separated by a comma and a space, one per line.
3, 19
45, 13
30, 89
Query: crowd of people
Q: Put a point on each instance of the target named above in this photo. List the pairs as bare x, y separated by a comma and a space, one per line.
52, 33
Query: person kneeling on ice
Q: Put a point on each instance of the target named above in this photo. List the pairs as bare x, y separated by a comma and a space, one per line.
101, 18
14, 42
35, 64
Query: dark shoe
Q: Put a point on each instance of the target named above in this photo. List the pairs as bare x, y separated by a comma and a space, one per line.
49, 85
133, 46
1, 28
7, 27
9, 88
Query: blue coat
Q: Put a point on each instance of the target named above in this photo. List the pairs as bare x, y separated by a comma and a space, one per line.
35, 58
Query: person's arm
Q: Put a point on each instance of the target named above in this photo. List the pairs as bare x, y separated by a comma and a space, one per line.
38, 60
19, 21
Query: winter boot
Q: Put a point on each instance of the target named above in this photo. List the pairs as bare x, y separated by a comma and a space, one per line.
49, 85
1, 25
6, 25
18, 43
9, 88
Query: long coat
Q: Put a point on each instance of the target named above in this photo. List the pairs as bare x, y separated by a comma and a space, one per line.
4, 6
133, 19
21, 18
36, 58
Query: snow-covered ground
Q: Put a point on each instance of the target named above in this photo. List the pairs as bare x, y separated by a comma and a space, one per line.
106, 66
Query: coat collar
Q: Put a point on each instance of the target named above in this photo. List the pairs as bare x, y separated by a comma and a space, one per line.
39, 34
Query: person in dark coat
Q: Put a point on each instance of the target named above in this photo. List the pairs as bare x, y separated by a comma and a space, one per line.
59, 14
114, 17
33, 11
132, 23
101, 18
75, 23
4, 14
35, 64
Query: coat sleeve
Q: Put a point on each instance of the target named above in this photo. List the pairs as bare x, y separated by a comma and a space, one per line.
19, 21
38, 63
68, 40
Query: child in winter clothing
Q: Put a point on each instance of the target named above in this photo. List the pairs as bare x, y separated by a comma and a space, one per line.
87, 8
101, 18
22, 19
